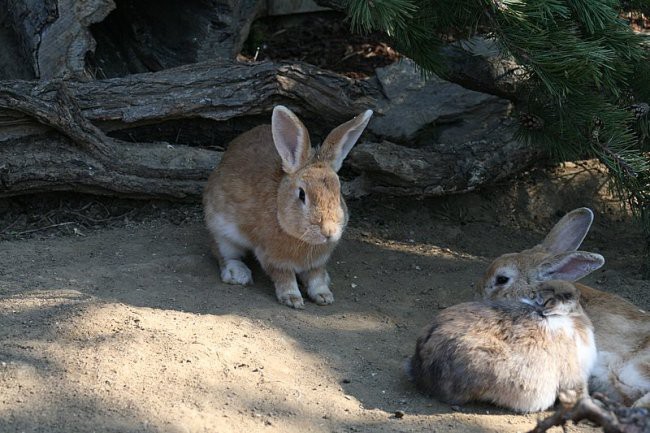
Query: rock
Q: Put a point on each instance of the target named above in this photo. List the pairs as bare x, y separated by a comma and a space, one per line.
418, 112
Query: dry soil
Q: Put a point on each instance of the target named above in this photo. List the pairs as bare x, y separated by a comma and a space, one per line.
125, 327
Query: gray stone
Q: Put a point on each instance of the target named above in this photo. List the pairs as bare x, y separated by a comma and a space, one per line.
418, 112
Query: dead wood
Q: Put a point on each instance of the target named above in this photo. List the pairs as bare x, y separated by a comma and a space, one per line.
218, 90
52, 37
442, 168
54, 135
81, 157
612, 417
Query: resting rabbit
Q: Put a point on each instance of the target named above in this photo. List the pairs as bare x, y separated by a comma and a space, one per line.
622, 330
520, 354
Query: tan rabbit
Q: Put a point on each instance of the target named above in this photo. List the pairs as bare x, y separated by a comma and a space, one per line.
520, 354
622, 330
273, 195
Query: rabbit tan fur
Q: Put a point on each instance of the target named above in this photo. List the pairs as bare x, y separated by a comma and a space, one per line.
622, 330
272, 194
519, 354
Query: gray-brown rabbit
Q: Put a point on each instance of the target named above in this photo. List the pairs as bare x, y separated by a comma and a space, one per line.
622, 330
519, 354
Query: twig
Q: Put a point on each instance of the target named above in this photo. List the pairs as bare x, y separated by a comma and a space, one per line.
4, 230
101, 220
45, 228
589, 409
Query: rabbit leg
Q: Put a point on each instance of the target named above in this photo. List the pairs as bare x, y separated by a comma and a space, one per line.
286, 286
569, 396
317, 281
229, 247
229, 255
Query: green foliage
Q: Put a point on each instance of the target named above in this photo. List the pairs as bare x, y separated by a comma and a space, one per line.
585, 70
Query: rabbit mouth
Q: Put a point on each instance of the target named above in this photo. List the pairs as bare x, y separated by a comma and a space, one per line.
314, 238
315, 235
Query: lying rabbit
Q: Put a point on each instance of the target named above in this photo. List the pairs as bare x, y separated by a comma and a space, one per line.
622, 331
519, 354
273, 195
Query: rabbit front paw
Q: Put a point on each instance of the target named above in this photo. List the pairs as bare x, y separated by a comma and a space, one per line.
321, 295
236, 272
291, 299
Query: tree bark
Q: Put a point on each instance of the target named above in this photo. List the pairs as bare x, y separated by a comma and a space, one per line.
58, 140
81, 157
108, 38
439, 169
152, 35
53, 36
217, 90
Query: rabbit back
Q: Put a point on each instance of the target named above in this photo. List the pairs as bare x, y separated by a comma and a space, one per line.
498, 352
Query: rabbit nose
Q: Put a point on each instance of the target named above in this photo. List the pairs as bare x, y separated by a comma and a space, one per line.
330, 231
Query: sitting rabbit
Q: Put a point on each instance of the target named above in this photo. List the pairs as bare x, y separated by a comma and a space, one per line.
272, 194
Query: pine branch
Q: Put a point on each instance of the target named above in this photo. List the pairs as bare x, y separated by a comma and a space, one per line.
563, 62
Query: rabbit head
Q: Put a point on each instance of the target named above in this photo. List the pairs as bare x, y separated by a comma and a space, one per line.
556, 258
310, 206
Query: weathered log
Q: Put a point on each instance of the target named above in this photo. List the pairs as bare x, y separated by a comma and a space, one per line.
217, 90
53, 162
155, 35
66, 38
53, 35
441, 168
81, 157
76, 154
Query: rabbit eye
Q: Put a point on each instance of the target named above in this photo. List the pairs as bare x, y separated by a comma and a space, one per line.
501, 280
301, 194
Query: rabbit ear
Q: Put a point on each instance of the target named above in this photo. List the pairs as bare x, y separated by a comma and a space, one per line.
339, 142
291, 139
569, 266
569, 232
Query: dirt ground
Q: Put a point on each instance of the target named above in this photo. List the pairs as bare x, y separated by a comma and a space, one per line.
122, 325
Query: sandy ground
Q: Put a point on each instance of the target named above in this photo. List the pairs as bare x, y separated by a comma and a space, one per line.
127, 328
